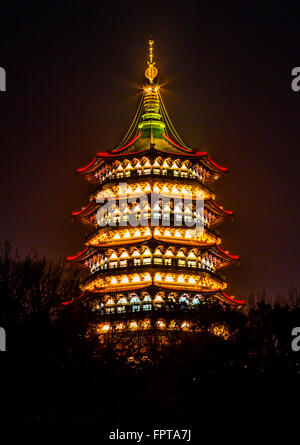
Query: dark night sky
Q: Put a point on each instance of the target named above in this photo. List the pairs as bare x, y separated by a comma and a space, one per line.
74, 70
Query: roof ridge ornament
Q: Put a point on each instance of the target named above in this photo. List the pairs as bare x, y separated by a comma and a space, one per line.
151, 72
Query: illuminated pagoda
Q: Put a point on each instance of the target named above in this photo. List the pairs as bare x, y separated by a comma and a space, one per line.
161, 268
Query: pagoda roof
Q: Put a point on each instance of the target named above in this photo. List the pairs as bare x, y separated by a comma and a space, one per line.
220, 295
163, 145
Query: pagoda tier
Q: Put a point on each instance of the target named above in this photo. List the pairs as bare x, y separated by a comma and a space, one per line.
174, 209
154, 245
151, 160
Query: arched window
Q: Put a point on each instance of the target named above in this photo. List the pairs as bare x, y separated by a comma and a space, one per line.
184, 300
135, 299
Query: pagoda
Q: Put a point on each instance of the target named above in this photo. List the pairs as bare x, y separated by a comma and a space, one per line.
148, 263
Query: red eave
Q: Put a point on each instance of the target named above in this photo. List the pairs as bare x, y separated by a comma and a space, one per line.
240, 302
65, 303
72, 258
80, 211
198, 154
79, 170
233, 257
127, 145
224, 169
176, 145
228, 212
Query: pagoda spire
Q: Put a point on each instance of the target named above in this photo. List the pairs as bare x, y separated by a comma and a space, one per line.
151, 72
151, 123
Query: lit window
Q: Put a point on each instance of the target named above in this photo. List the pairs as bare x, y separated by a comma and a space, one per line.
109, 310
147, 307
183, 300
136, 308
135, 299
191, 263
168, 261
157, 260
147, 171
156, 171
136, 261
121, 309
147, 260
181, 263
123, 263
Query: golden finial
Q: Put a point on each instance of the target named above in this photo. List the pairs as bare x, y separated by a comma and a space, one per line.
151, 71
151, 50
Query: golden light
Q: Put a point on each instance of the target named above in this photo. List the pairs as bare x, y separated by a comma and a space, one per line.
160, 324
122, 300
185, 326
110, 302
158, 299
133, 325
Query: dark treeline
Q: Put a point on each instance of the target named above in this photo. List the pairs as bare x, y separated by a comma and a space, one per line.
53, 375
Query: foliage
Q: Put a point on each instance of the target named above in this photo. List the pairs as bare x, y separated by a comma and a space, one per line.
58, 375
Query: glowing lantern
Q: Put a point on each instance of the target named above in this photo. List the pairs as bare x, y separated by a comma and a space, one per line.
133, 325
